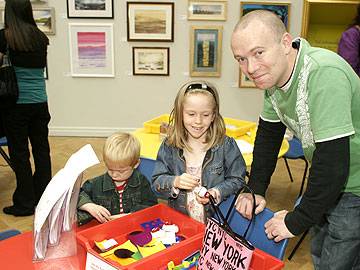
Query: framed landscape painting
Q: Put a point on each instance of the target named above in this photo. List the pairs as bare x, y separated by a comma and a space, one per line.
207, 10
45, 19
151, 61
205, 51
282, 9
150, 21
91, 49
100, 9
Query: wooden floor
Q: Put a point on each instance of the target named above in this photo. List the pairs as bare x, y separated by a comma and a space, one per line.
281, 194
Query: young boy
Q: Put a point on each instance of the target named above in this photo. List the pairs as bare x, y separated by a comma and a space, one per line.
122, 189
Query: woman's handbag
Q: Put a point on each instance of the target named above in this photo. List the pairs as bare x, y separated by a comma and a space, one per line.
222, 247
9, 91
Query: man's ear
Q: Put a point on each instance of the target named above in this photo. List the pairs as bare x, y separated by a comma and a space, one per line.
137, 164
286, 42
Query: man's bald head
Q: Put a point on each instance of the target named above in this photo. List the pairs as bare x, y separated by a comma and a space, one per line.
267, 18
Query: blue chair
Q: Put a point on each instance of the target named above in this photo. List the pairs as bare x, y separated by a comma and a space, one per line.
146, 167
256, 234
298, 200
296, 152
8, 233
3, 142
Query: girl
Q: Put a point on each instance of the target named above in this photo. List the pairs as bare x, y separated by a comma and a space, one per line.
29, 118
197, 153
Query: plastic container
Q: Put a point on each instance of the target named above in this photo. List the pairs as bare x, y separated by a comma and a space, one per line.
119, 229
159, 261
234, 127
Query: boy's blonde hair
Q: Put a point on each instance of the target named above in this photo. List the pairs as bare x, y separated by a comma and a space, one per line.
177, 134
122, 148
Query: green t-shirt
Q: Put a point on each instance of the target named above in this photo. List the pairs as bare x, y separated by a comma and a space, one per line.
320, 103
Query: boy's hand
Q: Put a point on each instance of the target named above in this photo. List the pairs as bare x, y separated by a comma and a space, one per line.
97, 211
117, 216
186, 181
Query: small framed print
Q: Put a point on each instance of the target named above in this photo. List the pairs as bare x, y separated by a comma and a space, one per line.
151, 61
207, 10
45, 19
91, 49
205, 51
150, 21
245, 82
100, 9
282, 9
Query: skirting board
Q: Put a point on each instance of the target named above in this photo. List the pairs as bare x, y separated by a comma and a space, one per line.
85, 131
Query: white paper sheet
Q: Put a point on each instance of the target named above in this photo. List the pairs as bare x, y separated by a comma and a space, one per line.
56, 202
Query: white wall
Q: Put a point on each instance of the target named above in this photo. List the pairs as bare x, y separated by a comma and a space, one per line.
99, 106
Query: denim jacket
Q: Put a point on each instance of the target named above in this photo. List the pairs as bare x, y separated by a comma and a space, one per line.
222, 168
101, 190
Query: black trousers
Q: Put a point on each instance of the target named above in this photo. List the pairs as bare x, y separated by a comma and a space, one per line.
24, 123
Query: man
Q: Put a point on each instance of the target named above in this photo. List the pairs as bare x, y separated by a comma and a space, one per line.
316, 94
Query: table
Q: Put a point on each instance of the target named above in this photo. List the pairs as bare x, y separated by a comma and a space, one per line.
150, 144
16, 254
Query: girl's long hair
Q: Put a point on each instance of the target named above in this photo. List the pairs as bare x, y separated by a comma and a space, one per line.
21, 31
178, 135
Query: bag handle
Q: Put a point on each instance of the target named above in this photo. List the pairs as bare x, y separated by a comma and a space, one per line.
225, 219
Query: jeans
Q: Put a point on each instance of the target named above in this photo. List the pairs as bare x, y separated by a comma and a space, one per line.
22, 123
335, 243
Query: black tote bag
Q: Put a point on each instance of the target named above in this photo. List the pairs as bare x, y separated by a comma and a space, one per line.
9, 91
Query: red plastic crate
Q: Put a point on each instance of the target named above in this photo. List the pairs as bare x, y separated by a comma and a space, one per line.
121, 227
260, 259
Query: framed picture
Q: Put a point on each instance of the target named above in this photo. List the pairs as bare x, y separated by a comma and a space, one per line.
151, 61
45, 19
101, 9
282, 9
150, 21
91, 49
205, 51
207, 10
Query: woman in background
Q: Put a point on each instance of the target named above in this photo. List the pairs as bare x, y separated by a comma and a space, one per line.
349, 45
28, 119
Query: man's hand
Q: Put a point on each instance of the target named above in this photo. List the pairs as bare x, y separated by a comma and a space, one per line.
97, 211
244, 204
276, 229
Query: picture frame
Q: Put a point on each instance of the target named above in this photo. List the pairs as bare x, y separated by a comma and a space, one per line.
99, 9
152, 61
207, 10
282, 9
150, 21
45, 19
205, 51
91, 49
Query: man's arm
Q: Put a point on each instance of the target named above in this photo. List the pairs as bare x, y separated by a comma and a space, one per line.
327, 178
268, 141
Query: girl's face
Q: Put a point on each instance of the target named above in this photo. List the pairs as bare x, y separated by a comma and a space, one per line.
198, 114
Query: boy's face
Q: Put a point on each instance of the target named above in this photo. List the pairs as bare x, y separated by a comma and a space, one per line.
119, 172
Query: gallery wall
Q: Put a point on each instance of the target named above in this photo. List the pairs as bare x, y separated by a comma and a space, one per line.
98, 106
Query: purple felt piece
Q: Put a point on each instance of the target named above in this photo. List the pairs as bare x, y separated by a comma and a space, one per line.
140, 238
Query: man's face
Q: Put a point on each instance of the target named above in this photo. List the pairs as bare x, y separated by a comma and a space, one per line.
261, 57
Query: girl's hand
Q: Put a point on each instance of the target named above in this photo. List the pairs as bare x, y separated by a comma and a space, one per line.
99, 212
186, 181
205, 199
